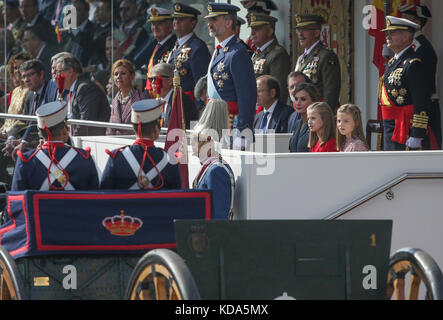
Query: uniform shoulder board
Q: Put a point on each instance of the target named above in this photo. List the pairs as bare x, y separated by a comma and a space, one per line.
113, 154
414, 60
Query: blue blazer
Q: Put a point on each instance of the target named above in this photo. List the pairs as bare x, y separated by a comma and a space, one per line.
235, 81
279, 119
119, 175
300, 139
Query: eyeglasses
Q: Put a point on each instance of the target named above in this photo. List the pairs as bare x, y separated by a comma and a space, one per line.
59, 71
28, 75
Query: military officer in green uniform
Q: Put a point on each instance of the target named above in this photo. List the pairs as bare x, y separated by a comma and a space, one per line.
320, 64
269, 58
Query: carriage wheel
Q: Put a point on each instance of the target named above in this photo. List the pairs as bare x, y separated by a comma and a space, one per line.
11, 284
161, 274
421, 268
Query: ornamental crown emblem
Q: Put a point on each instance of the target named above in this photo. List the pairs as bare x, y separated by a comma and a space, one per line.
154, 12
177, 7
210, 8
122, 225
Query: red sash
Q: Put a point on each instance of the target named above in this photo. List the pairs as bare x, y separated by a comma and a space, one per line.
402, 117
232, 106
190, 94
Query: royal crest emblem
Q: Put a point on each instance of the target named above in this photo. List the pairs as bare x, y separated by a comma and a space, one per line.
122, 225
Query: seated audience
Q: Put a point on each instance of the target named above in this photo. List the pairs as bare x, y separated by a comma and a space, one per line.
322, 128
350, 134
274, 117
304, 95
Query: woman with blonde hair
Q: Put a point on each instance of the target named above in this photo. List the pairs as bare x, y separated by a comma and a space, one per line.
11, 127
215, 173
123, 74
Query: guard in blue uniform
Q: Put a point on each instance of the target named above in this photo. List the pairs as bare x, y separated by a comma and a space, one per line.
142, 166
190, 55
231, 74
423, 48
55, 165
405, 93
215, 173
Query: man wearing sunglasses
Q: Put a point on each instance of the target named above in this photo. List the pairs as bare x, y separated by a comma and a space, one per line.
161, 78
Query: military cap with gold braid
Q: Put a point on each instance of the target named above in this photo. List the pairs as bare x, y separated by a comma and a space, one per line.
221, 9
260, 19
393, 23
305, 20
159, 14
184, 11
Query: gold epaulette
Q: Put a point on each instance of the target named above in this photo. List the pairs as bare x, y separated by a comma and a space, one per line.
414, 60
420, 120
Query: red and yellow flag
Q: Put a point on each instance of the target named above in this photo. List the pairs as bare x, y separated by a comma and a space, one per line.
176, 135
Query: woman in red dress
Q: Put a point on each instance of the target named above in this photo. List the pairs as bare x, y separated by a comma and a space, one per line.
322, 127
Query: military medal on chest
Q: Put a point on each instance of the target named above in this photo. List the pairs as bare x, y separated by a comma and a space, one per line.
220, 76
394, 78
183, 57
311, 69
259, 66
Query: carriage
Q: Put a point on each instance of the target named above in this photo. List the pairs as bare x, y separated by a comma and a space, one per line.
165, 246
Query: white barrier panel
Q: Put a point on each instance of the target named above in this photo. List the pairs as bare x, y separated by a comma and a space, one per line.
312, 186
415, 206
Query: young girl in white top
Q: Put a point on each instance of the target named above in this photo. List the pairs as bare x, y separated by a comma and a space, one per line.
350, 135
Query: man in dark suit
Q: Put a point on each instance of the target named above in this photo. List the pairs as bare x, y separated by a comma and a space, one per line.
78, 41
163, 74
33, 76
275, 115
101, 30
29, 10
86, 101
132, 27
35, 42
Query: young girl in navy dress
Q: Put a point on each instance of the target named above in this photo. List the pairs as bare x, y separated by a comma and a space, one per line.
350, 135
322, 128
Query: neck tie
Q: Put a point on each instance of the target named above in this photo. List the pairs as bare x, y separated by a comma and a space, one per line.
36, 98
264, 123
